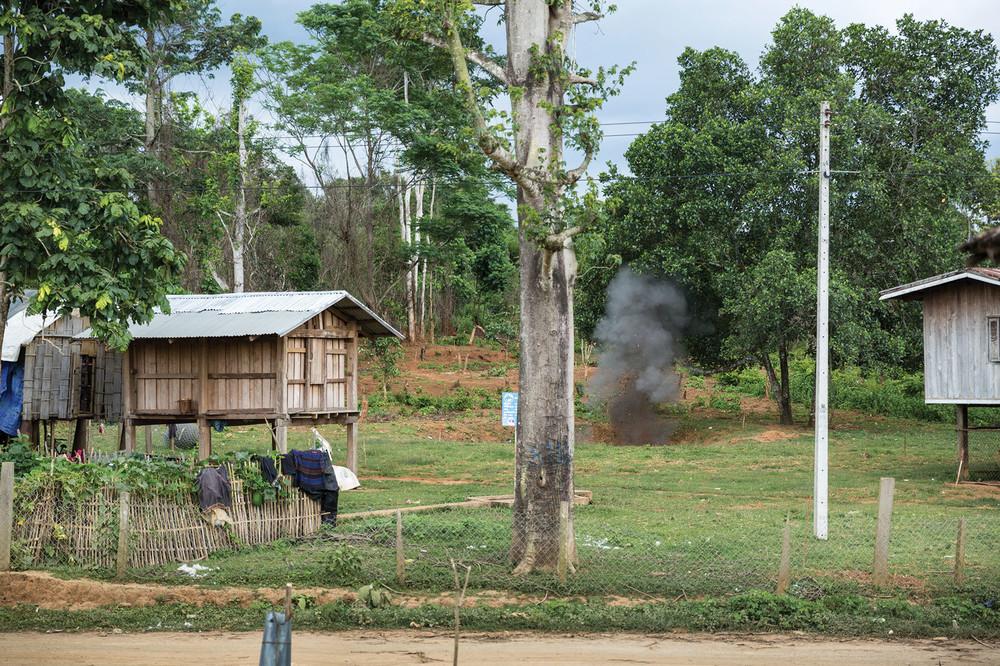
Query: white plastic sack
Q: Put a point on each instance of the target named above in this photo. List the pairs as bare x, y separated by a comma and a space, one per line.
346, 479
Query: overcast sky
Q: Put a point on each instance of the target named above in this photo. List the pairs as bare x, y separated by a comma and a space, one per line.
653, 33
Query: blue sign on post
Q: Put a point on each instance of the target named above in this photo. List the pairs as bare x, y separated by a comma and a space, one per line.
508, 409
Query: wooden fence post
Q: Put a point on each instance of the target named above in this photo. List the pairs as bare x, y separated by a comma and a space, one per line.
960, 553
785, 568
562, 565
352, 446
6, 513
400, 558
880, 570
121, 561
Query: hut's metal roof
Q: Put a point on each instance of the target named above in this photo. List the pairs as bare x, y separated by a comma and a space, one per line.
253, 313
914, 290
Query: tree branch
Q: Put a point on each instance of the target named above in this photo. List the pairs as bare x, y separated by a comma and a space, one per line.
475, 57
574, 175
490, 3
586, 17
489, 143
576, 79
559, 241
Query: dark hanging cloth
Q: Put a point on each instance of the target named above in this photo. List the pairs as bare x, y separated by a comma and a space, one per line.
312, 472
214, 488
11, 397
267, 469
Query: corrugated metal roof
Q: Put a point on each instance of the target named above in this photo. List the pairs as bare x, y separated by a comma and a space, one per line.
216, 325
253, 313
913, 290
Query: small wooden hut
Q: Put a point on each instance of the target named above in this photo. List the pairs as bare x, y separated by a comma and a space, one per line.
64, 378
274, 358
961, 343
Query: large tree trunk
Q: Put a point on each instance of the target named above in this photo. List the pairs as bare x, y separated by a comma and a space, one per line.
240, 218
545, 438
543, 491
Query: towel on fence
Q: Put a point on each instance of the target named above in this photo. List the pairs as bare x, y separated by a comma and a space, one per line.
311, 470
314, 475
214, 488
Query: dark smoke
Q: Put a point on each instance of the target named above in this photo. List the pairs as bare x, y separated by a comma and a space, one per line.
639, 339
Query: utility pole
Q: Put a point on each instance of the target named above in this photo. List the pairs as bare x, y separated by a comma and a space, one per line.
822, 454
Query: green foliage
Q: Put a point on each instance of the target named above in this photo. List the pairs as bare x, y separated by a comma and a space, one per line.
383, 356
343, 564
19, 452
70, 225
756, 611
457, 400
374, 595
722, 197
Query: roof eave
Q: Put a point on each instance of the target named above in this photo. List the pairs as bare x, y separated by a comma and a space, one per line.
923, 285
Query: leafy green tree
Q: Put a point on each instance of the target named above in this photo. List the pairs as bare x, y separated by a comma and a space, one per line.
69, 225
722, 196
383, 356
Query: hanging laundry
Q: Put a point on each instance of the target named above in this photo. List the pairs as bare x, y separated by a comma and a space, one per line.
214, 488
313, 473
267, 470
11, 397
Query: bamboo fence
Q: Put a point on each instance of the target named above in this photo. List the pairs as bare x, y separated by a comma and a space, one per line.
160, 529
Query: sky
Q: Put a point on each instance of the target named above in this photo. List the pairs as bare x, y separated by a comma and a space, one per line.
653, 33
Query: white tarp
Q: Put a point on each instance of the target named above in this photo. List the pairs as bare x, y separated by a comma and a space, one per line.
21, 329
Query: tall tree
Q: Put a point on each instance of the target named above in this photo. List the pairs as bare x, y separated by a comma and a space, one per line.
193, 39
69, 225
722, 195
552, 102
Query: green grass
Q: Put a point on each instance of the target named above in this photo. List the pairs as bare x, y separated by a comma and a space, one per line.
754, 611
699, 518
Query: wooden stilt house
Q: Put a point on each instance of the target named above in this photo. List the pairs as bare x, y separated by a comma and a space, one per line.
274, 358
64, 378
961, 346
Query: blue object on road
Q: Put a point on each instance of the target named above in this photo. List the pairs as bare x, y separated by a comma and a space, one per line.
276, 648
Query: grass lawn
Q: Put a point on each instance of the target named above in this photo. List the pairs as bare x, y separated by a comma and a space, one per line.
700, 516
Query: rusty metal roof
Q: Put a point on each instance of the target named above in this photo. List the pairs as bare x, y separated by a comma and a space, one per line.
253, 313
914, 290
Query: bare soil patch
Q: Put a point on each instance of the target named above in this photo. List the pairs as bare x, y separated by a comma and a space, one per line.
396, 648
35, 588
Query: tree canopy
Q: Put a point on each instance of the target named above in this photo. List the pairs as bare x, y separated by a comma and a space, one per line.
721, 197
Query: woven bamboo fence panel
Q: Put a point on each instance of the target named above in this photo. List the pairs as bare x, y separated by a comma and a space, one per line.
160, 529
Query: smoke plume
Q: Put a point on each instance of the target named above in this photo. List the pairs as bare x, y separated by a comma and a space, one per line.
639, 339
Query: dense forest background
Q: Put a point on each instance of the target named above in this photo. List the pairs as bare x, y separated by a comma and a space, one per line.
364, 176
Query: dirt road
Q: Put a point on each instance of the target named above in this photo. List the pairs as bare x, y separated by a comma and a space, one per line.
403, 648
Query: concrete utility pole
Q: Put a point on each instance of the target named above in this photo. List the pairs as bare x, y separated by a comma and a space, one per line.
821, 454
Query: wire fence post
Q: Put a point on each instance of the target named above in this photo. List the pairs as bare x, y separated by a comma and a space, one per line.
785, 568
400, 558
562, 564
6, 513
960, 553
121, 560
880, 570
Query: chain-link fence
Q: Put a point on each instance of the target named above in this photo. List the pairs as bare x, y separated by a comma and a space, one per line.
692, 551
984, 454
720, 555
